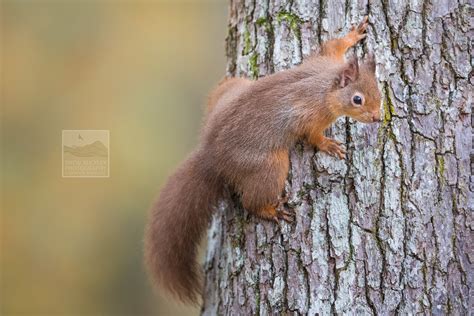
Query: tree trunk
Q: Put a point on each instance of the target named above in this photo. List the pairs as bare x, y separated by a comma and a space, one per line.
388, 230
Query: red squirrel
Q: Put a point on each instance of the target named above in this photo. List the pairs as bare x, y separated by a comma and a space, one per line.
245, 142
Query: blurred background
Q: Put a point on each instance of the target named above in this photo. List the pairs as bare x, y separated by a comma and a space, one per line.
141, 69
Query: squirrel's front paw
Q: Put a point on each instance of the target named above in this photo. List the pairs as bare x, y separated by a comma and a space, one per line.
333, 147
357, 33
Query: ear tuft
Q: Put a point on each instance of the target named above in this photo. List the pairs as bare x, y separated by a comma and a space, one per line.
370, 62
349, 73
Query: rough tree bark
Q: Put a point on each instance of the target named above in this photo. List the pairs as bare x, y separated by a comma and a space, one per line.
388, 230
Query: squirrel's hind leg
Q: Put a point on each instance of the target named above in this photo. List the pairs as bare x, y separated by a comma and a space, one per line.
261, 189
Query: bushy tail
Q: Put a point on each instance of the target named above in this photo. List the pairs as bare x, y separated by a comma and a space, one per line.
177, 222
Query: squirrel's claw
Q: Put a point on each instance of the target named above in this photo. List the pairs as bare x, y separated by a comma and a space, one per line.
339, 152
281, 213
362, 27
284, 215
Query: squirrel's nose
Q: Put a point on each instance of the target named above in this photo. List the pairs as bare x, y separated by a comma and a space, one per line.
375, 117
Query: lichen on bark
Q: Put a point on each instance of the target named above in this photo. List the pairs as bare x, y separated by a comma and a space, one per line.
389, 229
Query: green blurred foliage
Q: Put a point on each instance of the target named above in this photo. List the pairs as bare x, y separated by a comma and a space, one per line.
141, 69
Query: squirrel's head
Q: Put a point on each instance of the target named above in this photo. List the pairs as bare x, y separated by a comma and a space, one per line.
356, 93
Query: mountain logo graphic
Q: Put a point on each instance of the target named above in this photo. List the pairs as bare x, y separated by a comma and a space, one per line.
85, 153
97, 148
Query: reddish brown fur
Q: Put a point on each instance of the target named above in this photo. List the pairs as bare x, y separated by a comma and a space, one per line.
226, 88
249, 129
176, 225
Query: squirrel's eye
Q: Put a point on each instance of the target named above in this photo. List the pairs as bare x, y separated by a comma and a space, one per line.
357, 100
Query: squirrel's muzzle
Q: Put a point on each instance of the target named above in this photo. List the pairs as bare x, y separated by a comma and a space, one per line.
376, 117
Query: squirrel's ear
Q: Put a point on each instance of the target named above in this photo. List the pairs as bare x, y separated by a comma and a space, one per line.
349, 73
370, 62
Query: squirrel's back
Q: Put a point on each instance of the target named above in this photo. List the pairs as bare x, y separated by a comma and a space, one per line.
227, 89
